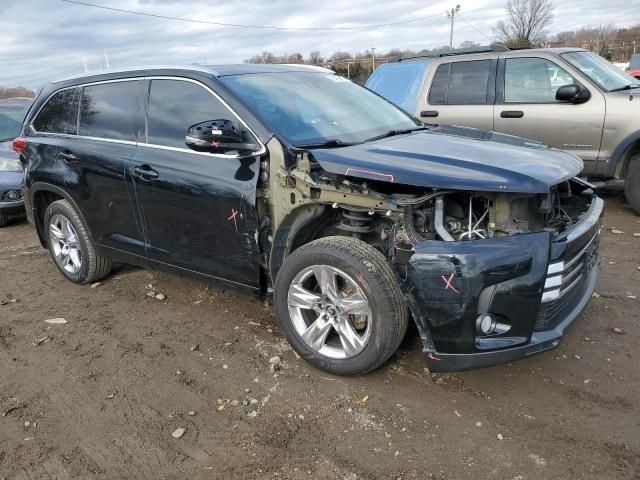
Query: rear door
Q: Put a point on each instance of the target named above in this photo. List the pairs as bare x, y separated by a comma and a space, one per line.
526, 106
97, 163
199, 208
461, 93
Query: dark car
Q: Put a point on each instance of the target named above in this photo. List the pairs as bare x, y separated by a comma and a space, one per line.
295, 181
12, 112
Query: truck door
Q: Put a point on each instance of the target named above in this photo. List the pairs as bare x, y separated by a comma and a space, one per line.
526, 106
461, 93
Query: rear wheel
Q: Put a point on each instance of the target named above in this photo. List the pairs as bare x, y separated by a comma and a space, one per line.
340, 305
70, 245
632, 184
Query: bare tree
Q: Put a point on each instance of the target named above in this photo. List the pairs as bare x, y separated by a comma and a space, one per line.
525, 23
315, 58
469, 44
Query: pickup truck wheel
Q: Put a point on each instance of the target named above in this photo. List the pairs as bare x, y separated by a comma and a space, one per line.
4, 221
632, 184
340, 305
70, 245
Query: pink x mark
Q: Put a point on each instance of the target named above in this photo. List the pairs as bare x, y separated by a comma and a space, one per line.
447, 282
234, 214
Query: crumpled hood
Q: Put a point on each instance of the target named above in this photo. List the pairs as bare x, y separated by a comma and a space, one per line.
455, 158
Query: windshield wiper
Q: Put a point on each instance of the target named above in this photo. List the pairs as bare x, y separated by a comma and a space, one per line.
394, 132
626, 87
333, 143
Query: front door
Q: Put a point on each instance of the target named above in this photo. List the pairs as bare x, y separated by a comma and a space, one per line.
199, 208
526, 106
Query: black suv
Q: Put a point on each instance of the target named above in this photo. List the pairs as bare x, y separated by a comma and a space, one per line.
292, 180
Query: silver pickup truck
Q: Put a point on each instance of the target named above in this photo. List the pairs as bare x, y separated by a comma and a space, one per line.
568, 98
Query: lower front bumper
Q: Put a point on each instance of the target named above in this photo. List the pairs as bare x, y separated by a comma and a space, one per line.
540, 341
12, 209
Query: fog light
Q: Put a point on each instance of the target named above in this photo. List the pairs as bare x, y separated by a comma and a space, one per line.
486, 324
13, 195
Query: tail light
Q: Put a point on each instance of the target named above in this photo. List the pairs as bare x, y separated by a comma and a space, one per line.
19, 144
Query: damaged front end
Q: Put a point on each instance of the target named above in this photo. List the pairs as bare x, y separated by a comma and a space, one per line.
489, 276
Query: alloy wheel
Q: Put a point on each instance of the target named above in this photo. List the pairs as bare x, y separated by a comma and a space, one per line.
65, 244
330, 311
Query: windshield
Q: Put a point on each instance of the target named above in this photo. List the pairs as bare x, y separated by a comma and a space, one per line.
604, 74
12, 113
634, 63
314, 108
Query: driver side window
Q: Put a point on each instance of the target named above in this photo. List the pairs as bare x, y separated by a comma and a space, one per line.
176, 105
533, 80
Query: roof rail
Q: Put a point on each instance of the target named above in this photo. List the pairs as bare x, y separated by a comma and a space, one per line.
457, 51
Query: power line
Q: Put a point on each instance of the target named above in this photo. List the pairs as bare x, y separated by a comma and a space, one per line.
241, 25
474, 27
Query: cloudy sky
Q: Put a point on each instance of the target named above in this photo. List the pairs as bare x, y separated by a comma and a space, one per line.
42, 40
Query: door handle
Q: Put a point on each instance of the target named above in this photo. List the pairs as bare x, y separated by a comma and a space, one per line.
67, 156
512, 114
146, 172
429, 113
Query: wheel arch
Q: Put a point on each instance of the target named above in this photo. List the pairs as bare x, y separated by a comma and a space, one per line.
43, 195
299, 227
619, 161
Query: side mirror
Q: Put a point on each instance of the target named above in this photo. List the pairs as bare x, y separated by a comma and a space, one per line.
218, 136
572, 93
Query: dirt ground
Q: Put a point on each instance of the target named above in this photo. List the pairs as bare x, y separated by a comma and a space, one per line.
102, 395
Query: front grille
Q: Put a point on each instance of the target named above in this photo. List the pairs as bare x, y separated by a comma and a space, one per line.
563, 287
567, 274
553, 312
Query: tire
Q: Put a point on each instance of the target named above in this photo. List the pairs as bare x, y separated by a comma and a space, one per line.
4, 221
83, 266
632, 184
362, 273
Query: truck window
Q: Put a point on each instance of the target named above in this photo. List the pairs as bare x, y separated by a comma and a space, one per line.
533, 80
399, 83
461, 83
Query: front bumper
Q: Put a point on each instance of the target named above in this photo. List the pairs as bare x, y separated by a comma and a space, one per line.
12, 209
535, 284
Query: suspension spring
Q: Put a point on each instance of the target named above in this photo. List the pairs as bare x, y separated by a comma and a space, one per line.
356, 221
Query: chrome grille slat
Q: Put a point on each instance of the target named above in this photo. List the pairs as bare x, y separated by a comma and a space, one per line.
562, 276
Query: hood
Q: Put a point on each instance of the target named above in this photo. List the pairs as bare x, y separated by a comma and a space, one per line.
455, 158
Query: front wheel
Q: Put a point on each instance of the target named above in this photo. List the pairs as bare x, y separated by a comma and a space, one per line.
340, 305
632, 184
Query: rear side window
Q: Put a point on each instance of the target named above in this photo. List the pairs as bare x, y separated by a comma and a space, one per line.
438, 92
60, 113
461, 83
112, 110
399, 83
175, 105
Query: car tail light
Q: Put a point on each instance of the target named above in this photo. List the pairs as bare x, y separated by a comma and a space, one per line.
19, 144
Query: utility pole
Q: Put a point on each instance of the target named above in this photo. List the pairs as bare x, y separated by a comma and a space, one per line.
373, 58
107, 64
451, 14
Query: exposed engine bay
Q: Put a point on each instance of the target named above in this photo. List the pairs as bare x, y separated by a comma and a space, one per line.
383, 213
